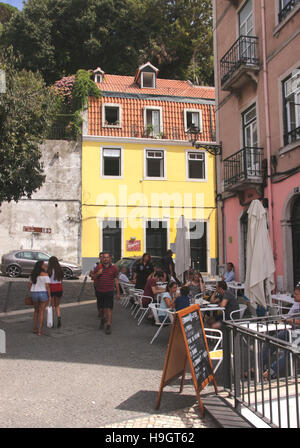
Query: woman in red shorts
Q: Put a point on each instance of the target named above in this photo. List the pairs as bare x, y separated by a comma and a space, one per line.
56, 275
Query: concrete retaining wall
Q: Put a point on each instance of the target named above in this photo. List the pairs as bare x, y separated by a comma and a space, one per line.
57, 205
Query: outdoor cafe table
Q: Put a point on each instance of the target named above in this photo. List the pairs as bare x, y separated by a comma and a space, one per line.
262, 328
236, 287
212, 308
285, 298
212, 280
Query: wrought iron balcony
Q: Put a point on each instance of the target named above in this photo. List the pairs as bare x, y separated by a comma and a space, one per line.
243, 169
286, 10
240, 62
292, 136
136, 130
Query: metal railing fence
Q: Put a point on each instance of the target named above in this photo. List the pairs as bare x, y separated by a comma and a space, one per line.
261, 363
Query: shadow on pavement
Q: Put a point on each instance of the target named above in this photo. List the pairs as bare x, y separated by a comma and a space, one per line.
145, 401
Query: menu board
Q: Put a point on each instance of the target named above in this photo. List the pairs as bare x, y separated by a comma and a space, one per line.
188, 346
197, 347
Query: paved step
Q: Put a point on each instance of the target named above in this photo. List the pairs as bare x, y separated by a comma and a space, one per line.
223, 413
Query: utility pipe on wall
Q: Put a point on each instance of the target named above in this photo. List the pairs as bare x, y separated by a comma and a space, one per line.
267, 119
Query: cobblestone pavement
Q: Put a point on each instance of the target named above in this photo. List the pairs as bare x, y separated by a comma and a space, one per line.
185, 418
77, 376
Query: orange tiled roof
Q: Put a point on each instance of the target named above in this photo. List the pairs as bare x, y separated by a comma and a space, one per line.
126, 84
132, 123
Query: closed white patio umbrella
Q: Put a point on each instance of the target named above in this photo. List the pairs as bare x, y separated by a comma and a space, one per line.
182, 249
260, 261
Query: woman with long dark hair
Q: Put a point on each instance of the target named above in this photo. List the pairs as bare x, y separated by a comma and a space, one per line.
142, 271
196, 285
39, 285
56, 275
167, 301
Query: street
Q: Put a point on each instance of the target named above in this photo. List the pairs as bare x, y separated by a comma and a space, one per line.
77, 376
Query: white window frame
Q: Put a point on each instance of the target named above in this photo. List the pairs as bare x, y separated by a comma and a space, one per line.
164, 164
98, 78
199, 111
153, 80
102, 175
160, 109
187, 151
117, 105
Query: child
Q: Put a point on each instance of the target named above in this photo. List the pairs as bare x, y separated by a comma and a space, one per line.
183, 300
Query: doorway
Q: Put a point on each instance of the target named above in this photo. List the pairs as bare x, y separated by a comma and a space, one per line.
295, 221
112, 238
156, 238
198, 245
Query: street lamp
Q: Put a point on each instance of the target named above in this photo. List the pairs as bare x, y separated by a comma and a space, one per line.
212, 148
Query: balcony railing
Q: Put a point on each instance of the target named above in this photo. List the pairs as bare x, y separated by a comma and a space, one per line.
243, 52
292, 136
286, 10
261, 366
168, 132
243, 166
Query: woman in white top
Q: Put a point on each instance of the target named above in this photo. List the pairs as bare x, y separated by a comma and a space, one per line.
39, 285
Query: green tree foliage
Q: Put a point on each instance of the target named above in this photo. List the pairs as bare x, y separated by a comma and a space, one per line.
57, 37
6, 12
26, 112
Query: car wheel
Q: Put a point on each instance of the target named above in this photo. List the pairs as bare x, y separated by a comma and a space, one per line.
67, 273
13, 271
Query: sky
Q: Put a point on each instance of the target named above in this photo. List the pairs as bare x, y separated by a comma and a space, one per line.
17, 3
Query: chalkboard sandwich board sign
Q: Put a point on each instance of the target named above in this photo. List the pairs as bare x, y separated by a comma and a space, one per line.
188, 345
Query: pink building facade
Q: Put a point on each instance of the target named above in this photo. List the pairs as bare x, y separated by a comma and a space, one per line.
257, 79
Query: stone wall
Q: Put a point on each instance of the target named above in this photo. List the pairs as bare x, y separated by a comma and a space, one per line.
57, 205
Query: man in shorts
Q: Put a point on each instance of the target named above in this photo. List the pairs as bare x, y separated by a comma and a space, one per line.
98, 264
106, 277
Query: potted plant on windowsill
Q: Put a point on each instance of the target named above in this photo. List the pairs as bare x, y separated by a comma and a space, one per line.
149, 130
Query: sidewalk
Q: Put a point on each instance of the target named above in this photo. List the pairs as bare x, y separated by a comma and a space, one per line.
78, 377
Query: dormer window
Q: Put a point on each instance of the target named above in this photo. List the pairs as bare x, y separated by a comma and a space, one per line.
146, 76
98, 75
148, 80
98, 78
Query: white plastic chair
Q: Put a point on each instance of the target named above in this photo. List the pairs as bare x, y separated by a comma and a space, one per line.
216, 354
137, 294
241, 311
169, 314
134, 300
125, 295
143, 309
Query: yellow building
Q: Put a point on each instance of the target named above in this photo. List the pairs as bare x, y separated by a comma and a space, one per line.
140, 173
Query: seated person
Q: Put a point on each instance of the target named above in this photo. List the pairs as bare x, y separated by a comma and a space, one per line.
183, 300
167, 300
196, 285
229, 275
226, 299
151, 288
123, 275
284, 336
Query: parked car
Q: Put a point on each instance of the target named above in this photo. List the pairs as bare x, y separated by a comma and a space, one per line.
131, 262
21, 262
